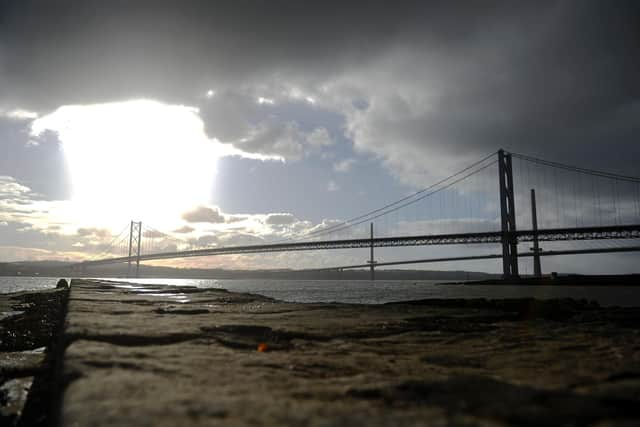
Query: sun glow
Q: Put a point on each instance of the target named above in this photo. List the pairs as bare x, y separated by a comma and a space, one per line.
134, 160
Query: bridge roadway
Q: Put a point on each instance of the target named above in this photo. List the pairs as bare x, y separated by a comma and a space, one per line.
481, 257
553, 234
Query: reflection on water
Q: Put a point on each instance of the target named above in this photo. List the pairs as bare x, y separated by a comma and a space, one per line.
361, 291
9, 284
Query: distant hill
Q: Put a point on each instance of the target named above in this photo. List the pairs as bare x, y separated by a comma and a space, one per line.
31, 268
63, 269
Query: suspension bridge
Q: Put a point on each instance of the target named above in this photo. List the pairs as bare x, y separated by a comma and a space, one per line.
479, 204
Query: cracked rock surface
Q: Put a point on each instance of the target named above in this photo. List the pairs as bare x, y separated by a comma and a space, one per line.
154, 355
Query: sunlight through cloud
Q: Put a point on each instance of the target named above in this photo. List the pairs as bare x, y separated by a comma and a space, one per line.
137, 159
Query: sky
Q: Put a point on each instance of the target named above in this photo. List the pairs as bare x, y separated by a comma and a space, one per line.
238, 122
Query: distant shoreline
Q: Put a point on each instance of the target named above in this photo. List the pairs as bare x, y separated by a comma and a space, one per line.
560, 280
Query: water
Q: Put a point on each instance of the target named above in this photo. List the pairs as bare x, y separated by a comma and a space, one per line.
10, 284
366, 292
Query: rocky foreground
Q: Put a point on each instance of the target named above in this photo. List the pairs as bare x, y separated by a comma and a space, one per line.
30, 328
158, 355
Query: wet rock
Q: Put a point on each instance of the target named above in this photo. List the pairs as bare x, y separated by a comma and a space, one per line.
35, 323
13, 396
28, 342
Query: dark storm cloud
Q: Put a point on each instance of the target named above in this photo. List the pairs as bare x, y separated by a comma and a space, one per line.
255, 124
81, 51
420, 84
569, 84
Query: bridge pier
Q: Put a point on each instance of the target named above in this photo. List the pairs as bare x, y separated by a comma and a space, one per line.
372, 261
508, 239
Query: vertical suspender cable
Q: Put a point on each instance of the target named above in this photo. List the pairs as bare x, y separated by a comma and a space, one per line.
614, 196
575, 200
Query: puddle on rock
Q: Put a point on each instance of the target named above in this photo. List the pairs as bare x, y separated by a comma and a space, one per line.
138, 288
181, 298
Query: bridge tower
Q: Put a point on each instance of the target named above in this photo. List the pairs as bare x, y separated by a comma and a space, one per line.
508, 217
135, 238
372, 262
537, 268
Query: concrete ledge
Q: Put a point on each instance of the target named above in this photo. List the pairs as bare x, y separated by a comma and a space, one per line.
161, 355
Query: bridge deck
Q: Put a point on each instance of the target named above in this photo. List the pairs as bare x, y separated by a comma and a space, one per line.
558, 234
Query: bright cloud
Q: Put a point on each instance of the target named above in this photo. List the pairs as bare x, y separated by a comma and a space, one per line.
184, 230
10, 188
128, 159
19, 114
319, 138
344, 165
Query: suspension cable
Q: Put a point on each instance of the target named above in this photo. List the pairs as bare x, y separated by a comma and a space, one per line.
595, 172
352, 221
111, 244
326, 231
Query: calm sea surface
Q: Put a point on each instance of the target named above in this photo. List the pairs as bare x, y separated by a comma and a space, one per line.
366, 292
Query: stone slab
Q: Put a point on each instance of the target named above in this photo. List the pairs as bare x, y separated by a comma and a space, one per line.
155, 355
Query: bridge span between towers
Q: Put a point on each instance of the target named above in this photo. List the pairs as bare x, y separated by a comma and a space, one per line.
574, 204
559, 234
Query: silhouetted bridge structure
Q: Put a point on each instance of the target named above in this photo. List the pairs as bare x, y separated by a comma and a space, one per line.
508, 236
554, 235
